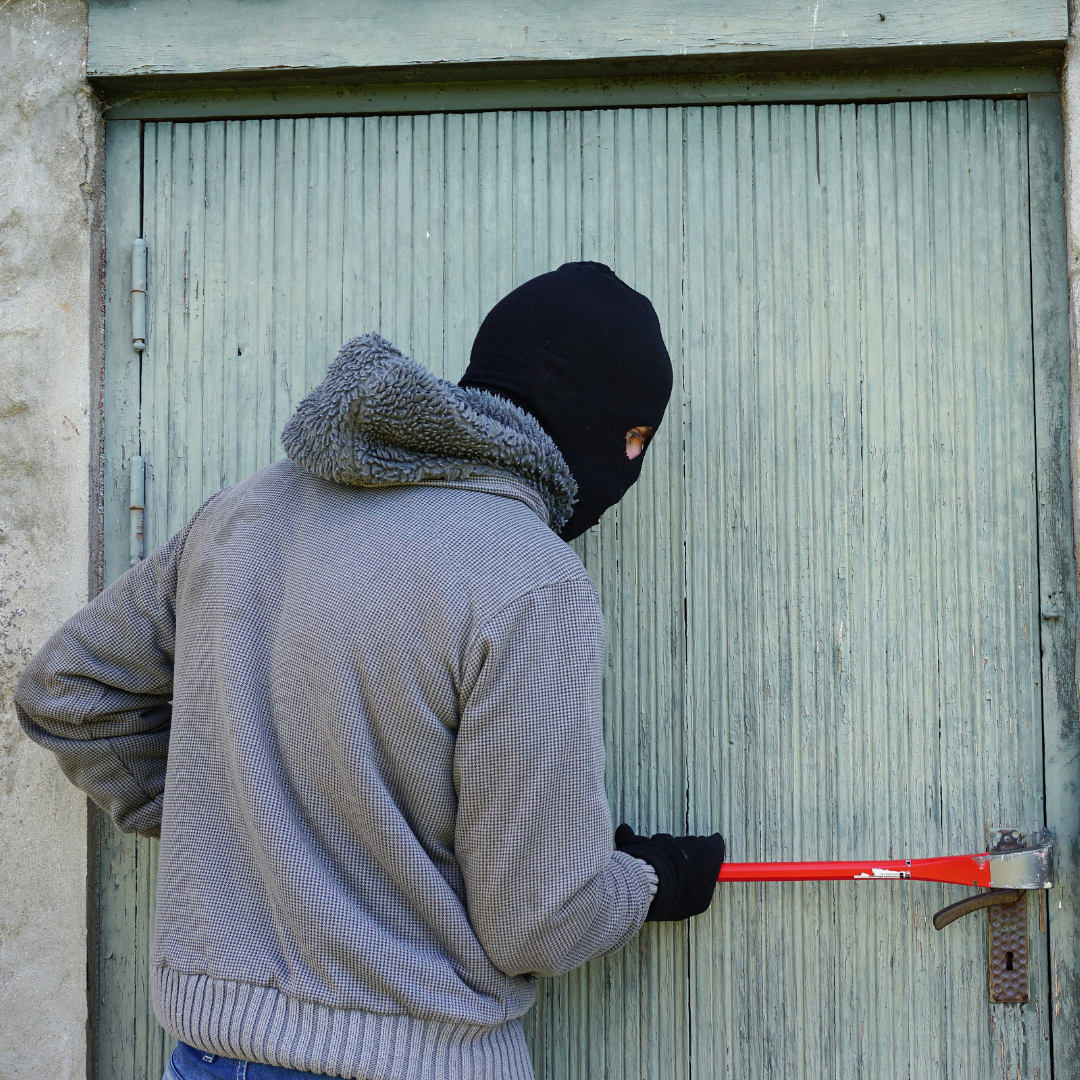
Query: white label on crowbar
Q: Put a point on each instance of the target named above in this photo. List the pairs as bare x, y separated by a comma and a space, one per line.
877, 872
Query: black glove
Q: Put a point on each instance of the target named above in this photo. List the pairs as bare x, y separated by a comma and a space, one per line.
686, 866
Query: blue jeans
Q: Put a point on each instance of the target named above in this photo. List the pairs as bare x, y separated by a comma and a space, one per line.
187, 1063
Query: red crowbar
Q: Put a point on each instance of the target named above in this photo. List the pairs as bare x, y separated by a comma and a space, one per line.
1031, 868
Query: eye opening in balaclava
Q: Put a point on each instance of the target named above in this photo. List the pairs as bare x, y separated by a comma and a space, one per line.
583, 353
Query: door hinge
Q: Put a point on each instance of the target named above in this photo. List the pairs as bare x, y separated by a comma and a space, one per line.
138, 489
138, 294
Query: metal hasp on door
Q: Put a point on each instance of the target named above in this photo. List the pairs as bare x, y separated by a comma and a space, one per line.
1024, 863
1024, 867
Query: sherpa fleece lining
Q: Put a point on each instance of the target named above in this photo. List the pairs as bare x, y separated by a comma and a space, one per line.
380, 419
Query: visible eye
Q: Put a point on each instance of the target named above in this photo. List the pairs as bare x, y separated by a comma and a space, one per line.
637, 438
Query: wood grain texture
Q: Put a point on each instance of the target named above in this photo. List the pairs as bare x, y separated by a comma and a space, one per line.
116, 957
167, 37
584, 93
862, 574
123, 151
822, 598
1057, 568
273, 241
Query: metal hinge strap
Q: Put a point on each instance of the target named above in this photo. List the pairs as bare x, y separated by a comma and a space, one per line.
138, 488
138, 294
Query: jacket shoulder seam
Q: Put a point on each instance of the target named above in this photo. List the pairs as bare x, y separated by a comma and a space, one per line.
581, 577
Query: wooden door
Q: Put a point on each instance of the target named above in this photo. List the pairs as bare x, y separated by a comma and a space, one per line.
823, 598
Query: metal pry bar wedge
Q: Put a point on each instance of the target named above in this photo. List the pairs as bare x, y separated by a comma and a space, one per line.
1029, 868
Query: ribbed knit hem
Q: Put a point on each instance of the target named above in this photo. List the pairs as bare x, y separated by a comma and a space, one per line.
257, 1023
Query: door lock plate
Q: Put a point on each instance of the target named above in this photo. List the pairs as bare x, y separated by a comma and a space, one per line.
1008, 931
1009, 951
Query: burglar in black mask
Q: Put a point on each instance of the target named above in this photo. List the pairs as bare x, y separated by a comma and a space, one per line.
358, 696
582, 352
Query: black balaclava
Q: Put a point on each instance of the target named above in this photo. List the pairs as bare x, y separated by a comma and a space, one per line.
582, 352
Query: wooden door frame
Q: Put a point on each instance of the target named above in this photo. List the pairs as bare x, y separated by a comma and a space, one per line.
1052, 366
1057, 563
175, 42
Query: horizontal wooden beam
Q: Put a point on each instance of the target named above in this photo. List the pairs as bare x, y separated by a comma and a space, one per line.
168, 38
387, 98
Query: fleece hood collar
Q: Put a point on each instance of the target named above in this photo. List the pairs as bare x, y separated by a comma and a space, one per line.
380, 419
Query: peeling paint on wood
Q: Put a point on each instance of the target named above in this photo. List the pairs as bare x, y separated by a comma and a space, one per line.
355, 99
823, 597
118, 924
170, 37
1057, 568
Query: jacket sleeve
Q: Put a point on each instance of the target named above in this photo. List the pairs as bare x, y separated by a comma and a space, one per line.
546, 891
97, 694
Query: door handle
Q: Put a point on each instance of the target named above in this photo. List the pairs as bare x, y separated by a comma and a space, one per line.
1006, 920
973, 903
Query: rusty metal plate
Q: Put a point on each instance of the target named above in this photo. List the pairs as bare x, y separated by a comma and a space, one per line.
1008, 951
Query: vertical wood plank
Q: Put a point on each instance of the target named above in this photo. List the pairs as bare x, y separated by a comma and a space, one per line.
157, 203
471, 308
1057, 580
121, 435
369, 252
626, 1016
865, 482
215, 341
113, 956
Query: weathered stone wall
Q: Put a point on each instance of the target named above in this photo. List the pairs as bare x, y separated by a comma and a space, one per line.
50, 191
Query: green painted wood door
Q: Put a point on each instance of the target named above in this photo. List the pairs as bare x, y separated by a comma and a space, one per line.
823, 597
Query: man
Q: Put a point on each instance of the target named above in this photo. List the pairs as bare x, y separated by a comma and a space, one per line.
374, 670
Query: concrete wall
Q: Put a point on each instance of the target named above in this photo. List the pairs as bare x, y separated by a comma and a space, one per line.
50, 191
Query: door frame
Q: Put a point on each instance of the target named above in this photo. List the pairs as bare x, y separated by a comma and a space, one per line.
122, 915
1057, 567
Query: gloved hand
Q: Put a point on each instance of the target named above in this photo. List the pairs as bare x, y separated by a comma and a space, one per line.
686, 867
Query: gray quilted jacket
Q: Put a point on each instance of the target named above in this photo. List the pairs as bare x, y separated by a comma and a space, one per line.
374, 673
